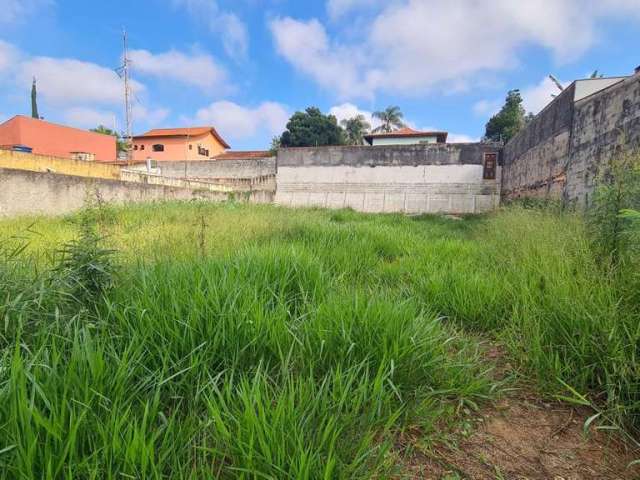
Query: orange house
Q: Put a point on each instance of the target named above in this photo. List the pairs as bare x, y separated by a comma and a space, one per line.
46, 138
195, 143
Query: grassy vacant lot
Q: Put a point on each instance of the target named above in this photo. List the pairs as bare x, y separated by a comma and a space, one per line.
241, 341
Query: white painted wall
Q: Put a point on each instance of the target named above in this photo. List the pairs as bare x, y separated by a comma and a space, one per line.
409, 189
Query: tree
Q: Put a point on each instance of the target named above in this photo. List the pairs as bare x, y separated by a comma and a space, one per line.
34, 100
355, 128
391, 119
504, 125
312, 128
276, 143
121, 145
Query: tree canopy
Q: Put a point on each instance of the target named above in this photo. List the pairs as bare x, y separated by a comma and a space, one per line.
511, 118
121, 145
355, 129
391, 118
312, 128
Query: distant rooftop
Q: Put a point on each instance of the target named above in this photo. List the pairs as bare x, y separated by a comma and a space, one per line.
183, 132
407, 132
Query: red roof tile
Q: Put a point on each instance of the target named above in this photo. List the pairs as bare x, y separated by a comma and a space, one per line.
183, 132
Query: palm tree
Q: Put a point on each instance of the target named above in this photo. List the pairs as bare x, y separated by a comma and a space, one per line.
355, 129
391, 119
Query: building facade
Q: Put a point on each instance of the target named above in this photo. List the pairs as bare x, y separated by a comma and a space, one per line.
166, 144
46, 138
405, 136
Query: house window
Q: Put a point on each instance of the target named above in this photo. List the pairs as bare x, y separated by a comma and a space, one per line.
490, 165
158, 147
190, 147
135, 147
141, 147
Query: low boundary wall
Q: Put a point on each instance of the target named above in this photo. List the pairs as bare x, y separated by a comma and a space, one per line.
27, 193
65, 166
206, 169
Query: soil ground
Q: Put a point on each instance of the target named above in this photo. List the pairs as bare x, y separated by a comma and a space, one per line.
521, 436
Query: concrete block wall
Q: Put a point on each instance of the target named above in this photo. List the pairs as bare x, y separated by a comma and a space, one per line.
411, 179
605, 124
535, 160
206, 169
29, 193
561, 153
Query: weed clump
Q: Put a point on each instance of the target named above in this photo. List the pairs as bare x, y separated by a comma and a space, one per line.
85, 270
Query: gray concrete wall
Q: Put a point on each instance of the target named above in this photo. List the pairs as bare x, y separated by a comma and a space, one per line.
604, 124
205, 169
397, 155
535, 160
27, 193
412, 179
559, 155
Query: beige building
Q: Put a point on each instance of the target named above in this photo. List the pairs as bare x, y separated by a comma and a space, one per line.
163, 144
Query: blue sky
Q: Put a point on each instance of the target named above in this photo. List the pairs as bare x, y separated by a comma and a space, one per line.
244, 66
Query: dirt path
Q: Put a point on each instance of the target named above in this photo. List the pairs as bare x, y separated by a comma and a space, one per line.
521, 437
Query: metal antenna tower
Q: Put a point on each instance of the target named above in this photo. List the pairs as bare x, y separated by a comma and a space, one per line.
123, 72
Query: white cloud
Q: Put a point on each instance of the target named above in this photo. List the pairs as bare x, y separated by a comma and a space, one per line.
84, 117
62, 81
197, 69
82, 94
8, 55
536, 97
306, 45
88, 117
485, 108
149, 117
461, 138
414, 46
346, 111
338, 8
12, 11
238, 122
235, 36
232, 30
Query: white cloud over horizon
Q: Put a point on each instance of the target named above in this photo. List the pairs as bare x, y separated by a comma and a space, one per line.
82, 94
238, 122
536, 97
64, 81
84, 117
454, 42
347, 110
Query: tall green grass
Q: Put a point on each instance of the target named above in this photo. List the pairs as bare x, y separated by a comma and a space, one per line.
298, 342
261, 362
